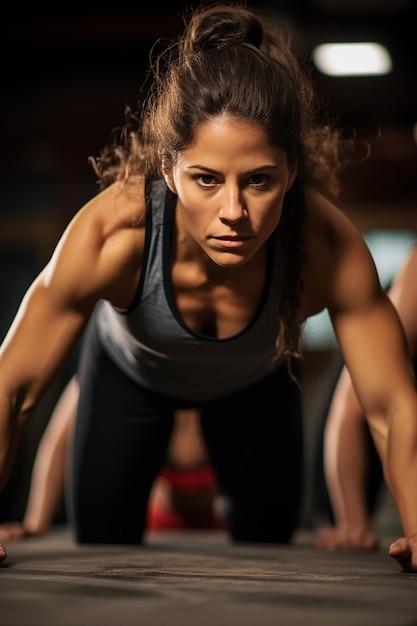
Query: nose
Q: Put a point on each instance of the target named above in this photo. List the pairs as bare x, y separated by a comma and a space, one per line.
233, 207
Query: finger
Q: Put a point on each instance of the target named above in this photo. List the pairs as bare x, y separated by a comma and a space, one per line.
401, 552
10, 531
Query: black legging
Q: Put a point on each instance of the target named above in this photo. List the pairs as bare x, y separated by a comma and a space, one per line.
254, 439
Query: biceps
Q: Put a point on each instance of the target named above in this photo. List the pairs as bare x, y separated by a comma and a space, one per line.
40, 339
375, 351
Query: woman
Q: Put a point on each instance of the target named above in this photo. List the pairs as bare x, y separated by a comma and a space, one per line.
195, 271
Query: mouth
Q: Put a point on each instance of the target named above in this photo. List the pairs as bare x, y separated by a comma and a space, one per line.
232, 241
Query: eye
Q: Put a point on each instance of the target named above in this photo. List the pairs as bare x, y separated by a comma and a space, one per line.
206, 180
257, 180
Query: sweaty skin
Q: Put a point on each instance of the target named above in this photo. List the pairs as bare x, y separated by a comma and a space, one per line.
230, 185
345, 443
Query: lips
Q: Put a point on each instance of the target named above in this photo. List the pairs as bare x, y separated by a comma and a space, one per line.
231, 241
233, 238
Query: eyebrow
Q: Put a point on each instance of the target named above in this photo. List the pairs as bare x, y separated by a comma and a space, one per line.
267, 166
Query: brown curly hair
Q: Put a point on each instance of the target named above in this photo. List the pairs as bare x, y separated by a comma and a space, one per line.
229, 61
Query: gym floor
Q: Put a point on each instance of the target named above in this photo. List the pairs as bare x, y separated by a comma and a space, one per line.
200, 578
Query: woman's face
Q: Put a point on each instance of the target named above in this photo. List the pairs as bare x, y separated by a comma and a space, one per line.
230, 185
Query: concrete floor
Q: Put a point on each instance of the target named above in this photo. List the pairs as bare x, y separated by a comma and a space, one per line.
200, 579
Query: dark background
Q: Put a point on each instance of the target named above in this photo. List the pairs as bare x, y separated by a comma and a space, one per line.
69, 72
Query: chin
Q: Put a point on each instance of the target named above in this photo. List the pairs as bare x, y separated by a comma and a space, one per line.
229, 261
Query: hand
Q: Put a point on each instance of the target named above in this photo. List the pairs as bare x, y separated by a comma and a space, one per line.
13, 531
404, 550
3, 553
335, 538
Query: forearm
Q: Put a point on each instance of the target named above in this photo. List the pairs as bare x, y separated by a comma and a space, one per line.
48, 476
345, 457
46, 489
400, 469
346, 470
12, 424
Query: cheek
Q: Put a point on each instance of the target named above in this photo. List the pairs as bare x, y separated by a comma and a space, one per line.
198, 221
194, 219
272, 211
270, 218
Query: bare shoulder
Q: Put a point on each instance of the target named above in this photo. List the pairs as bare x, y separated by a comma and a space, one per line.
99, 253
120, 206
340, 272
327, 222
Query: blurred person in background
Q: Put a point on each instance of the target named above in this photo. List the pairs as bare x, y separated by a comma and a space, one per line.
183, 495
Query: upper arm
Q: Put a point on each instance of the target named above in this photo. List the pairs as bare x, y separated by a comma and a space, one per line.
372, 340
366, 324
93, 260
43, 334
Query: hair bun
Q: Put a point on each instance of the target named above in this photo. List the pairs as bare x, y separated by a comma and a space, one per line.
220, 26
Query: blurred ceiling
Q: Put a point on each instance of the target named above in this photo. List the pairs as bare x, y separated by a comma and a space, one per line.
68, 74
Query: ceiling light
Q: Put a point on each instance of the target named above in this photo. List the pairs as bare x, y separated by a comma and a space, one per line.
352, 59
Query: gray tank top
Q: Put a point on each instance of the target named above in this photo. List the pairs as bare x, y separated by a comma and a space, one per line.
151, 343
